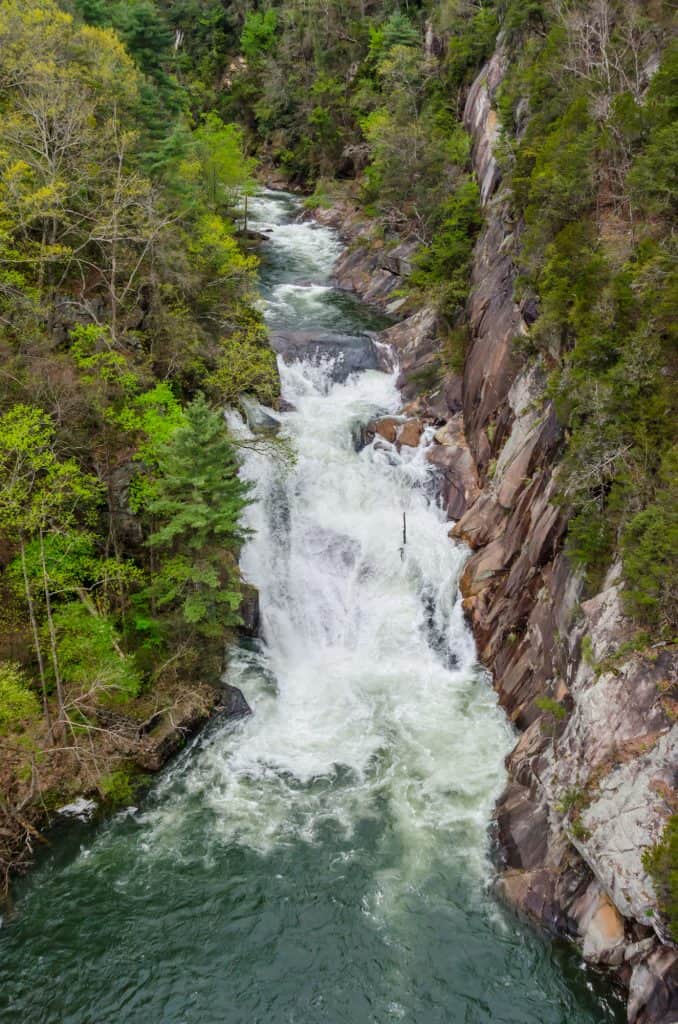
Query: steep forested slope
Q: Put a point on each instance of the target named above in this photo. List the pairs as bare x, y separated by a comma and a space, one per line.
125, 300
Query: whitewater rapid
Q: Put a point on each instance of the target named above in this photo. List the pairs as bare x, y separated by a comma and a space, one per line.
365, 689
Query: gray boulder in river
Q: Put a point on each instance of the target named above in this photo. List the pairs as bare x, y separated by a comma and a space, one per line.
350, 352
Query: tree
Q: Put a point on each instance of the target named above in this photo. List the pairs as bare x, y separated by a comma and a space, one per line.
225, 173
259, 34
199, 502
39, 495
17, 700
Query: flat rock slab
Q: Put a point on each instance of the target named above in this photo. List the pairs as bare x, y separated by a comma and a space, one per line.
349, 353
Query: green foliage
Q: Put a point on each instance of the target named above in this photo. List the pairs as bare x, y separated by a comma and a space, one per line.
68, 560
120, 272
521, 14
592, 170
259, 34
442, 268
661, 863
654, 177
551, 707
397, 30
18, 703
200, 498
204, 589
246, 366
572, 801
649, 548
198, 503
471, 42
120, 788
90, 655
38, 490
224, 172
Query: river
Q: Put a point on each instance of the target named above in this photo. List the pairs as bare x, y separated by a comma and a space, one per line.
327, 859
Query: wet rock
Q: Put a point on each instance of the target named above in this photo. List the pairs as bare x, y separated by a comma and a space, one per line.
635, 952
589, 792
483, 522
386, 428
481, 120
413, 344
232, 703
482, 567
166, 733
249, 610
258, 419
395, 430
349, 353
410, 433
451, 454
522, 827
542, 895
602, 928
81, 808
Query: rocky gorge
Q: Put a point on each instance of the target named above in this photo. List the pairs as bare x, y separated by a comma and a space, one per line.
592, 775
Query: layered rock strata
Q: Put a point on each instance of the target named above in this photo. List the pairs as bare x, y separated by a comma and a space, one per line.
592, 776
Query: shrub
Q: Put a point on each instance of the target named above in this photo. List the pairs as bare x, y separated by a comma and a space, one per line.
650, 552
17, 702
661, 863
551, 707
120, 787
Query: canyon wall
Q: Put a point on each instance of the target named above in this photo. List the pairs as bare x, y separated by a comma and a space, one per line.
592, 776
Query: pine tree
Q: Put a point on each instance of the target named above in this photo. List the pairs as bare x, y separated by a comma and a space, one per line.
199, 502
200, 496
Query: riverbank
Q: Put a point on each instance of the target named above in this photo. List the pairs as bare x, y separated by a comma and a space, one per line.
101, 769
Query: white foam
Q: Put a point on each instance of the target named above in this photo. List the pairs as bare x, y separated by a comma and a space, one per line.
354, 704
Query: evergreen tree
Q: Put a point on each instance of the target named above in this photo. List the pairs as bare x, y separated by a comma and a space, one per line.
199, 502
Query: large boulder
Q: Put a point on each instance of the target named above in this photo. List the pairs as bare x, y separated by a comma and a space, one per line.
394, 429
452, 456
348, 353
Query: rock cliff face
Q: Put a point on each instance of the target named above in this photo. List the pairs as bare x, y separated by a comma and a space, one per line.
592, 776
593, 772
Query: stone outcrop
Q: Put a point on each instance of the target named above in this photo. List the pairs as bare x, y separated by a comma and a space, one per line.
370, 266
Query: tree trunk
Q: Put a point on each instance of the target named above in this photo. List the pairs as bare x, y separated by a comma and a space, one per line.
36, 636
61, 703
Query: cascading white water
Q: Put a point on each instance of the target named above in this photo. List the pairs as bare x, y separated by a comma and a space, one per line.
368, 674
376, 685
